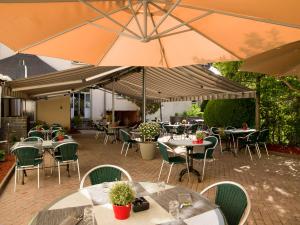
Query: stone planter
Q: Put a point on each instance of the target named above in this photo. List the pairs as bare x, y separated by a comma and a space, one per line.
148, 150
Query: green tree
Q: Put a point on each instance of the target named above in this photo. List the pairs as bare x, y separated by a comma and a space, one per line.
279, 101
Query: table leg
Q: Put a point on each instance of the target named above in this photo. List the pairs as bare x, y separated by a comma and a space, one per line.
191, 168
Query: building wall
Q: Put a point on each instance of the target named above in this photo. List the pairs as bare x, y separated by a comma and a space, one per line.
13, 128
98, 104
54, 110
169, 109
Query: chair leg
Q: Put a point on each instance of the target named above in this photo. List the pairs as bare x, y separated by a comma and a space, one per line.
128, 144
162, 165
16, 174
248, 148
105, 139
58, 167
266, 149
38, 175
203, 169
221, 144
187, 166
122, 147
78, 169
171, 166
257, 150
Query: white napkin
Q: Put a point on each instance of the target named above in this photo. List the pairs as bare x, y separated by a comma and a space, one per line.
98, 194
212, 217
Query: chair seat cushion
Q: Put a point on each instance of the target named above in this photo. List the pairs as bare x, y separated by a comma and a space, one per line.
177, 159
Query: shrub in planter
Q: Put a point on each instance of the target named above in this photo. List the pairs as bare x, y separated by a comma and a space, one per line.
150, 131
200, 136
60, 135
121, 196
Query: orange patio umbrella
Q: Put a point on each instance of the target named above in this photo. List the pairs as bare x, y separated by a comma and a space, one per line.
281, 61
154, 33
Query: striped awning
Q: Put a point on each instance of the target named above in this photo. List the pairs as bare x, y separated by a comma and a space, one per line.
179, 84
176, 84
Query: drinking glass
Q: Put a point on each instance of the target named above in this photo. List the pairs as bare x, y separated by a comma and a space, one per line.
174, 209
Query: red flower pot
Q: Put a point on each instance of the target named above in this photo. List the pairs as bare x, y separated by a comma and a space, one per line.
60, 138
122, 212
199, 141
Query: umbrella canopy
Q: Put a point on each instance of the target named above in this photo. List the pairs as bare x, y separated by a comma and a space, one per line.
153, 33
281, 61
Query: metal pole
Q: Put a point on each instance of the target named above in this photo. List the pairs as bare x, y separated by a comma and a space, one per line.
144, 95
113, 103
160, 110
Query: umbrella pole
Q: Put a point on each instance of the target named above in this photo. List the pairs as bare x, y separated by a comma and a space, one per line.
113, 103
144, 96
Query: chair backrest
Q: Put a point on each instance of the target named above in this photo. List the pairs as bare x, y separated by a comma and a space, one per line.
180, 129
125, 136
233, 200
230, 128
263, 136
209, 149
252, 137
54, 133
68, 151
214, 130
35, 133
26, 155
105, 173
100, 127
167, 128
29, 139
194, 128
163, 148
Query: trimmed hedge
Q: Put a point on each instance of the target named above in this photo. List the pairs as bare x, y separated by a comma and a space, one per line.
230, 112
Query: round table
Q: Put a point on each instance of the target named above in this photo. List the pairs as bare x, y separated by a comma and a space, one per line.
201, 212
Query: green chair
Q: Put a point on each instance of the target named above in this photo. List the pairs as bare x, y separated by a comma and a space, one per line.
109, 133
54, 133
33, 139
171, 160
214, 131
207, 154
250, 140
180, 130
233, 200
262, 139
127, 140
66, 154
36, 133
192, 129
27, 158
100, 131
105, 173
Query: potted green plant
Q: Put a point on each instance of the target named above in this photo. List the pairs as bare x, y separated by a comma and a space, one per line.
2, 155
149, 132
200, 136
60, 135
39, 127
121, 196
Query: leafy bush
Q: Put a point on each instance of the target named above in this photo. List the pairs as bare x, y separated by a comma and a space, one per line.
149, 130
2, 155
194, 110
230, 112
121, 194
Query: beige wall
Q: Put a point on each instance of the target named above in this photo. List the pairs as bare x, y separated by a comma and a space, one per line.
54, 110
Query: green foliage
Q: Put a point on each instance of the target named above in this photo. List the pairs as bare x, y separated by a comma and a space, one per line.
149, 130
121, 194
200, 134
151, 107
60, 133
76, 120
230, 112
194, 110
203, 105
279, 108
2, 155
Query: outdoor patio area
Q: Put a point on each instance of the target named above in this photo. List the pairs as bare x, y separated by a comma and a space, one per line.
273, 184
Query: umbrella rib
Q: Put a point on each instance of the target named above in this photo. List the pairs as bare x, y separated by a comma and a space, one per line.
164, 17
108, 49
199, 32
108, 17
243, 16
162, 50
135, 17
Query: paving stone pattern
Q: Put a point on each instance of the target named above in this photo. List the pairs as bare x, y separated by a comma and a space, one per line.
273, 184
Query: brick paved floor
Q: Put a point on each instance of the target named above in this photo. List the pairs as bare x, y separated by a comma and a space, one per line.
273, 184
